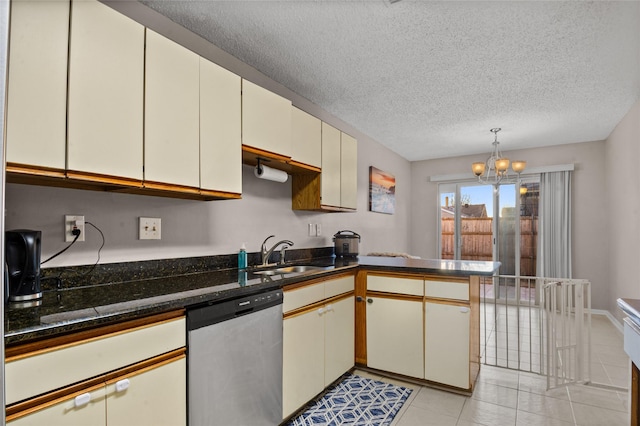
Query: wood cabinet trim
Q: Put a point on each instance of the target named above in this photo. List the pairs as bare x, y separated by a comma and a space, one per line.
28, 170
23, 408
99, 178
395, 296
313, 281
316, 305
14, 353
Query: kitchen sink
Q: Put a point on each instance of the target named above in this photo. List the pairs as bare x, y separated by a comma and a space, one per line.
284, 270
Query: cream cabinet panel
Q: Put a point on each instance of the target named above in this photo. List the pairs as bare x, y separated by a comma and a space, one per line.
220, 129
66, 412
33, 375
339, 338
338, 286
37, 83
395, 336
106, 91
348, 172
412, 286
330, 176
172, 113
446, 334
306, 138
447, 289
303, 358
156, 396
266, 120
302, 296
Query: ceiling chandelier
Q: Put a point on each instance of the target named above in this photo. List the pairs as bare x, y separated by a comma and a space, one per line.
496, 168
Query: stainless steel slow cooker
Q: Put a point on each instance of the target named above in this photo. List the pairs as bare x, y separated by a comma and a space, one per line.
346, 243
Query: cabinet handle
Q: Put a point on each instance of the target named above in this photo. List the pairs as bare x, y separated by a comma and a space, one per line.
464, 310
122, 385
82, 400
320, 311
329, 308
359, 299
369, 300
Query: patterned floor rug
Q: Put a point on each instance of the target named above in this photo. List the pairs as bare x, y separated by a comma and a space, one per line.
355, 401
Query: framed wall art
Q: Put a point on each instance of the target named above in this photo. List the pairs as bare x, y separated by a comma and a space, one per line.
382, 191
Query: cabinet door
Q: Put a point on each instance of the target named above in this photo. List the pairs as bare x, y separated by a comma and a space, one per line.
330, 176
303, 359
339, 338
37, 86
395, 336
106, 77
306, 138
266, 120
446, 335
348, 172
155, 396
220, 127
67, 412
172, 111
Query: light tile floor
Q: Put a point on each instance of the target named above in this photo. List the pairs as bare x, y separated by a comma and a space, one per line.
509, 397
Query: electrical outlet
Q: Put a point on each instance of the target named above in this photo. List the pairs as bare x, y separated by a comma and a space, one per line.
149, 228
312, 230
72, 222
318, 229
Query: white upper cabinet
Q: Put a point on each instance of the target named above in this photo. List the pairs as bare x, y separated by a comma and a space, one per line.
348, 172
266, 120
220, 129
106, 91
306, 138
37, 86
172, 113
330, 176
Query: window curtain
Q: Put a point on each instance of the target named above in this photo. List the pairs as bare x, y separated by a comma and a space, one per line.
554, 233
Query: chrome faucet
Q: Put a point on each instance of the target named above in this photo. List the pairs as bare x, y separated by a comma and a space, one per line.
266, 253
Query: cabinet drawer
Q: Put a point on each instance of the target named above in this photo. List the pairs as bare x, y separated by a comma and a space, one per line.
302, 296
447, 290
49, 369
338, 286
413, 286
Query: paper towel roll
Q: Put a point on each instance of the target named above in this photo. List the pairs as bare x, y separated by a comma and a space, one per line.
263, 172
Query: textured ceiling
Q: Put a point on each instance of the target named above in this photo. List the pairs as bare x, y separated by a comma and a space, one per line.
429, 79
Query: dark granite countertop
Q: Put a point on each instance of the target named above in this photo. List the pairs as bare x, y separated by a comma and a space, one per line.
68, 309
631, 307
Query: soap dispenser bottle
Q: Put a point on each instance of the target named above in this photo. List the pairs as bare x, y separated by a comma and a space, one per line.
242, 257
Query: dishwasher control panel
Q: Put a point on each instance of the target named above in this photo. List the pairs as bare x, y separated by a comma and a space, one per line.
218, 311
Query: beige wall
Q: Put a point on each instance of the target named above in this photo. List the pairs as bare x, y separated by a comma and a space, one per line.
623, 207
589, 210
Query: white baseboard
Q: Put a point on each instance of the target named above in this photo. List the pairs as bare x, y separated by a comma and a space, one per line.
617, 324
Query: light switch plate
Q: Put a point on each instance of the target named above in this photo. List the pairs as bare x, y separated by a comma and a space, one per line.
312, 229
149, 228
318, 229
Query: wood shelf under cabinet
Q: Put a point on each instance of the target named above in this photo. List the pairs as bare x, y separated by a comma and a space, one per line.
305, 194
250, 156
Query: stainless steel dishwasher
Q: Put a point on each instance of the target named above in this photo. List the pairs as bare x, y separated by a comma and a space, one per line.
234, 361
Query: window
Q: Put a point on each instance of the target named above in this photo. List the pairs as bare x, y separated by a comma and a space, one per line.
487, 222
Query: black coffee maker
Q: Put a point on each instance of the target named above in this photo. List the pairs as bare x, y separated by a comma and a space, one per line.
22, 247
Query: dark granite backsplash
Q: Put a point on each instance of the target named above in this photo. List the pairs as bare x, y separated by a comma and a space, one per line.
87, 275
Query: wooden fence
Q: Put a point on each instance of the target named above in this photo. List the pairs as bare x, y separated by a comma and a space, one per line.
476, 242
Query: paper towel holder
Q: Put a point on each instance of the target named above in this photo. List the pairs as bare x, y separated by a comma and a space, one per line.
268, 173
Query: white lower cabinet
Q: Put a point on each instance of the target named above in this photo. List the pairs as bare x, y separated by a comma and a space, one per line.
394, 336
318, 339
422, 328
446, 335
155, 396
339, 337
132, 373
